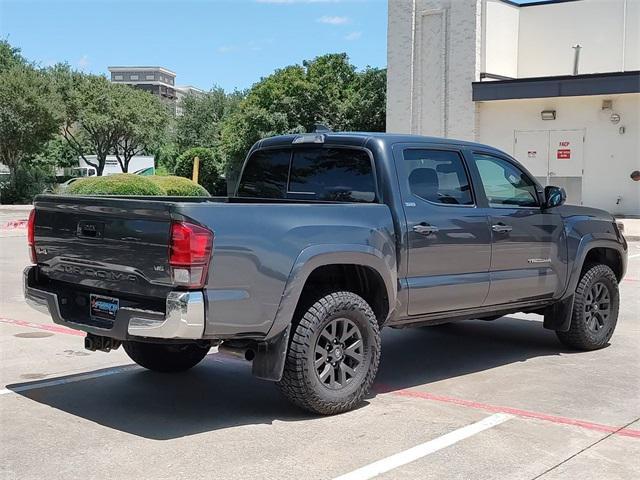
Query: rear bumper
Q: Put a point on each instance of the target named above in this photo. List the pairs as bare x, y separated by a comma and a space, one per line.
184, 317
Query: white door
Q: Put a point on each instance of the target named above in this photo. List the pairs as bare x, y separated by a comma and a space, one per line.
555, 157
531, 148
566, 153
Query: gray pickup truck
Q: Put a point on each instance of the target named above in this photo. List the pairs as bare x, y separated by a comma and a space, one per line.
329, 238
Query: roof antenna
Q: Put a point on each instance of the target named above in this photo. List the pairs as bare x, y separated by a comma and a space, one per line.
321, 128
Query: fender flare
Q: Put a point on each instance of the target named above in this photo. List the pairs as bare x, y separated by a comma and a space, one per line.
558, 315
332, 254
270, 357
588, 243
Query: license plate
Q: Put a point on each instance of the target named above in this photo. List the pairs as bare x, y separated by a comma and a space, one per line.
104, 308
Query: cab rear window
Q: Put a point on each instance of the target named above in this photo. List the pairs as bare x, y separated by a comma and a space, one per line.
265, 174
322, 174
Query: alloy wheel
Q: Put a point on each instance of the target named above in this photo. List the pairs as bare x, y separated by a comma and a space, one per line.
597, 306
339, 353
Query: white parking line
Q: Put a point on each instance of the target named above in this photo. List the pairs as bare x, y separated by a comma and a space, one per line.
71, 379
422, 450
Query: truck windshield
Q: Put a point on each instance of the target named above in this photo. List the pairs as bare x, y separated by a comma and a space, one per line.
325, 174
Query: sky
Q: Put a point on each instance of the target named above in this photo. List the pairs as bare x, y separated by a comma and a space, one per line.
227, 43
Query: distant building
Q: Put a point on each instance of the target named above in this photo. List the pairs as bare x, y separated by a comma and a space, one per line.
156, 80
183, 91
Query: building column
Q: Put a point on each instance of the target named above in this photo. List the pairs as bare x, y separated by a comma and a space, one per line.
434, 54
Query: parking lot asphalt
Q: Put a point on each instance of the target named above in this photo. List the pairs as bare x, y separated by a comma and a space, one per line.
470, 400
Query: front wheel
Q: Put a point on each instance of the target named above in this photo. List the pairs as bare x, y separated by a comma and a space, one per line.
168, 358
595, 310
333, 355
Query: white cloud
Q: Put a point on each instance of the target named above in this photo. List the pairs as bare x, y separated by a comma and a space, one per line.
333, 20
83, 62
353, 36
225, 49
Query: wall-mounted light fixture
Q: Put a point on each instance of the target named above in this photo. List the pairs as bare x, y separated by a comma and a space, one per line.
548, 115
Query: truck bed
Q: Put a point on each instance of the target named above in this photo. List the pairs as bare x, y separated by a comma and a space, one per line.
118, 246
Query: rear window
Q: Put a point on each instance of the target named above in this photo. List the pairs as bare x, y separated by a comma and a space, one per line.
438, 176
325, 174
265, 174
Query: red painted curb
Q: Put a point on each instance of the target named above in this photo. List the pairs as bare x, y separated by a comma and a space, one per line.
513, 411
15, 224
48, 327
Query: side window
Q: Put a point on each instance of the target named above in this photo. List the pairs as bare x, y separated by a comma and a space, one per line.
438, 176
265, 174
504, 183
331, 174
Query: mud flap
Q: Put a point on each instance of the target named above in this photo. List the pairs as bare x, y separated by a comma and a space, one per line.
268, 363
558, 316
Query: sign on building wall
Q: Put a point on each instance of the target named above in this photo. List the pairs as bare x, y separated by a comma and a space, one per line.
563, 152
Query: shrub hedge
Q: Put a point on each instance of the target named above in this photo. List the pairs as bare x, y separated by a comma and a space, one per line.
179, 186
130, 184
120, 184
210, 175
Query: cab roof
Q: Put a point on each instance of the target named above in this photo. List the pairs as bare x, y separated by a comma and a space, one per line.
359, 139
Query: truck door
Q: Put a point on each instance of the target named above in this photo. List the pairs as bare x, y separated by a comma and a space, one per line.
527, 260
448, 238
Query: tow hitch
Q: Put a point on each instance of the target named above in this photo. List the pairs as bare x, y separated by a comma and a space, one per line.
104, 344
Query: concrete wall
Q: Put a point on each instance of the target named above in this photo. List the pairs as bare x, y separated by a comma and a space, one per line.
433, 56
601, 27
609, 157
500, 31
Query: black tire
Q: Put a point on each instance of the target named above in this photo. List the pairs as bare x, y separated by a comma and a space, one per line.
591, 323
317, 369
167, 358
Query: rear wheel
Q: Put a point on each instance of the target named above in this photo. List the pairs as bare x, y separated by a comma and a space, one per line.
169, 358
595, 310
333, 355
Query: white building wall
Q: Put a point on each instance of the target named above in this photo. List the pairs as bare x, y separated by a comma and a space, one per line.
632, 35
548, 32
433, 57
500, 38
609, 156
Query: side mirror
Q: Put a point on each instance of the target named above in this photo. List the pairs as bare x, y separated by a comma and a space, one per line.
554, 196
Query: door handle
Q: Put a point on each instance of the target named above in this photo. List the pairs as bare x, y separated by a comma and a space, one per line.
425, 229
501, 228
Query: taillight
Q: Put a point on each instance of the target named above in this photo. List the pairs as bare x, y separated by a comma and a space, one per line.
31, 235
189, 254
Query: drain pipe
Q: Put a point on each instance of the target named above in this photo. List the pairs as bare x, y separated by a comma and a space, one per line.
576, 58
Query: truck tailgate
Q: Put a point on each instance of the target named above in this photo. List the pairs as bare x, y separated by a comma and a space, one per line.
113, 244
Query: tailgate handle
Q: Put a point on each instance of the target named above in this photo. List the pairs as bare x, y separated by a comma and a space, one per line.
90, 229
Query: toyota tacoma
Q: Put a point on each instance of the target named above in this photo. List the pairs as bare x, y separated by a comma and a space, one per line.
328, 238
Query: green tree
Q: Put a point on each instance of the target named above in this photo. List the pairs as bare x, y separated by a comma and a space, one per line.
365, 109
331, 78
166, 156
143, 120
55, 153
202, 114
210, 173
10, 56
327, 89
241, 130
93, 115
29, 116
